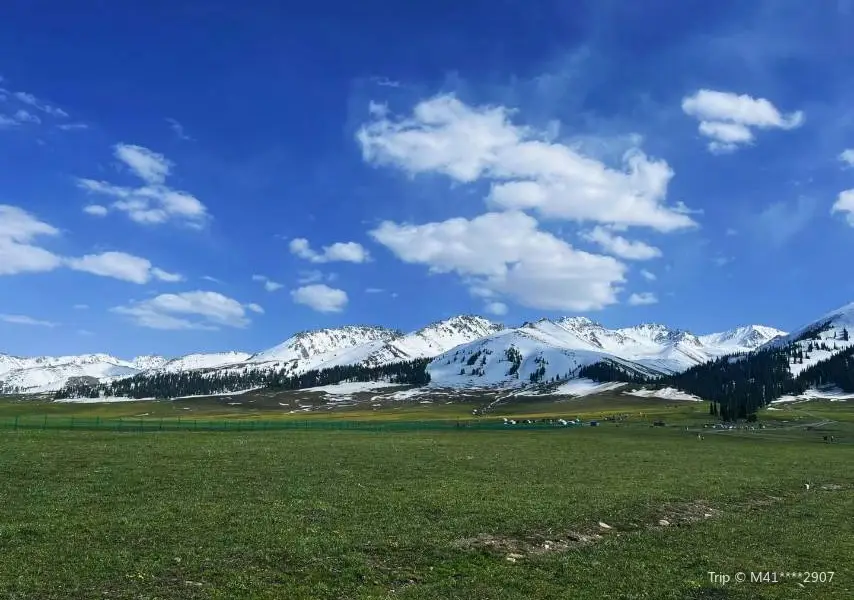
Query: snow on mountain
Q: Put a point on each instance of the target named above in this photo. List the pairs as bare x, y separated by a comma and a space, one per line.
831, 326
148, 362
307, 349
371, 346
10, 363
741, 338
193, 362
820, 339
572, 342
49, 373
511, 357
433, 339
553, 347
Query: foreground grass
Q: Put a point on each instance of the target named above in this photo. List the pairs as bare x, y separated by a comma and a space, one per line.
364, 515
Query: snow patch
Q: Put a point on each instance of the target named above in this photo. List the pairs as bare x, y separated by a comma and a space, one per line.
667, 393
585, 387
350, 387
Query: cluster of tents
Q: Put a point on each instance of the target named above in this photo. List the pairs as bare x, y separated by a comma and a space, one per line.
558, 422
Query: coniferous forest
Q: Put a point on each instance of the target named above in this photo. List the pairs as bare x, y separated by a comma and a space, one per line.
740, 385
196, 383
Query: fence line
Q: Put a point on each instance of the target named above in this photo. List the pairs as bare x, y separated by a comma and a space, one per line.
140, 424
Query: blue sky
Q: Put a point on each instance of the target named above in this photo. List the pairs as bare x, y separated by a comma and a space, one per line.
202, 176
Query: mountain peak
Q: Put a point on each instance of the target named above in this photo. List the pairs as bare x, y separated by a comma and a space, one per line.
305, 344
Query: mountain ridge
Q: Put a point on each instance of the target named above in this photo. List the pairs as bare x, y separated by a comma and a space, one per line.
644, 348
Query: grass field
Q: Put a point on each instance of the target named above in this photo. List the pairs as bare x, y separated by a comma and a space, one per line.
456, 514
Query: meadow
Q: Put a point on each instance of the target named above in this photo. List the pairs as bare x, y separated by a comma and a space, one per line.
623, 510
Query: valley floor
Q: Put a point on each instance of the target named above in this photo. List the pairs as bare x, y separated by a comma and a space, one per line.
623, 510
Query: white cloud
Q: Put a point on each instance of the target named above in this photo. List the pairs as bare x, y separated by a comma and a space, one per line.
731, 231
256, 308
23, 116
6, 122
506, 253
166, 276
269, 284
726, 136
320, 297
73, 126
496, 308
120, 265
528, 171
847, 157
727, 118
25, 320
648, 275
85, 332
642, 299
372, 290
211, 279
312, 276
844, 204
178, 129
95, 210
780, 221
81, 307
339, 251
722, 261
189, 310
155, 202
31, 100
620, 246
148, 165
18, 229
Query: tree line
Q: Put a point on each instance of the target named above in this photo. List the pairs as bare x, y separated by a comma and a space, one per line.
199, 383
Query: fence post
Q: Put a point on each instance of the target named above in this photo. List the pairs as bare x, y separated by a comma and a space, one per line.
44, 424
16, 422
98, 422
72, 422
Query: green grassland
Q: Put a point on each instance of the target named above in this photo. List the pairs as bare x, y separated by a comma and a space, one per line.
427, 514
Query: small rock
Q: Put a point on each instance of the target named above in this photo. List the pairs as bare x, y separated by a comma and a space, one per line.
604, 525
664, 522
707, 515
511, 559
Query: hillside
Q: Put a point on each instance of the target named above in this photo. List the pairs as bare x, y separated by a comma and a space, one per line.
817, 354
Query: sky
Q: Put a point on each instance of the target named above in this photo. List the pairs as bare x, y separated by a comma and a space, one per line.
207, 175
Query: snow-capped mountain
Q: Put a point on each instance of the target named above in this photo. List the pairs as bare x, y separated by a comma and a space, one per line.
820, 339
148, 362
308, 348
511, 357
740, 338
432, 340
560, 346
49, 373
192, 362
370, 346
648, 346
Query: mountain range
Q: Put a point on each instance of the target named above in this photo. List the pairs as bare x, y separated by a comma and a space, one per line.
466, 351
